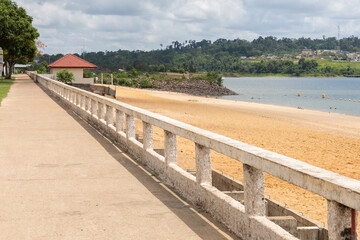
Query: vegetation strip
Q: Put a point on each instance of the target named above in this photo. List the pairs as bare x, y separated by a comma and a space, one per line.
262, 56
4, 87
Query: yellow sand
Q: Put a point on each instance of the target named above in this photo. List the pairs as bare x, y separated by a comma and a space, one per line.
330, 141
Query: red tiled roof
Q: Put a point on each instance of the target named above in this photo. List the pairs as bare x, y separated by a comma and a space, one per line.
71, 61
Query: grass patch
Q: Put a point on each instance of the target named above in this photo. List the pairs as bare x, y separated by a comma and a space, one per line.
4, 87
339, 65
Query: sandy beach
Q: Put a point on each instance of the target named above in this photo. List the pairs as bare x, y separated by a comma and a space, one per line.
327, 140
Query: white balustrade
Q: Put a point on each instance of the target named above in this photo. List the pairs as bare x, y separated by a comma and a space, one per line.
343, 193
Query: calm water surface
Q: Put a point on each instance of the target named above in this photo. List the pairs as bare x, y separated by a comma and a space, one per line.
284, 91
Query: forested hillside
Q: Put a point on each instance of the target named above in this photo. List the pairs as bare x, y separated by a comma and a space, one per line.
221, 55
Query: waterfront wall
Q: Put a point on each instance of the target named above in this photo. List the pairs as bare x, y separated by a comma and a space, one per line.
248, 220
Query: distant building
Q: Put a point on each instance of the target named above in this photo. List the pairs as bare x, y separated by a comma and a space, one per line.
75, 65
272, 57
287, 56
354, 57
307, 53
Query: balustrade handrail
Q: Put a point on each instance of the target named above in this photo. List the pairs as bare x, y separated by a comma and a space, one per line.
327, 184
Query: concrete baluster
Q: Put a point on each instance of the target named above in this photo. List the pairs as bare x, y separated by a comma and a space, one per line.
339, 221
73, 97
170, 148
203, 165
77, 99
83, 102
94, 106
130, 126
254, 191
101, 111
148, 139
87, 104
109, 115
119, 121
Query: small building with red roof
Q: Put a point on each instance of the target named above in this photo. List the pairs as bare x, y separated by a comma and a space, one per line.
74, 65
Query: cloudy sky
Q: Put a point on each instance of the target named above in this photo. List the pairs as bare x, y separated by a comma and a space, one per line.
69, 26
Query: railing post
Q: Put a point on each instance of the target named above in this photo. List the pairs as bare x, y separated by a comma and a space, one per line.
130, 126
170, 148
109, 115
148, 142
77, 99
88, 104
101, 111
73, 95
254, 191
203, 165
93, 107
119, 121
83, 102
339, 221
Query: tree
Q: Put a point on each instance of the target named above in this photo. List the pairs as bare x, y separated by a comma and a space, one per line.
65, 76
17, 35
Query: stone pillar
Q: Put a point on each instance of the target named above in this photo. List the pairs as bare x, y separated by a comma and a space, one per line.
109, 115
119, 121
93, 107
73, 97
101, 111
170, 148
112, 79
70, 96
339, 221
88, 104
148, 136
102, 78
83, 102
77, 99
130, 126
203, 165
254, 191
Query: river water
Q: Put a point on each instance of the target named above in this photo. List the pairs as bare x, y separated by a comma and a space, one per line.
341, 95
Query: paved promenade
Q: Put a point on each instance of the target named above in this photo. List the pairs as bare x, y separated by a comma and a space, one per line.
60, 179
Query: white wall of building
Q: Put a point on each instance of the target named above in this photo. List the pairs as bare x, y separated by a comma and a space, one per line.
78, 74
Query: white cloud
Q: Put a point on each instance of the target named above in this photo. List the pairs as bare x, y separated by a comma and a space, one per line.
68, 25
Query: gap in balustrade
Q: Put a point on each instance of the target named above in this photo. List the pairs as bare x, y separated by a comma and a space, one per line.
186, 154
139, 130
305, 202
227, 165
158, 135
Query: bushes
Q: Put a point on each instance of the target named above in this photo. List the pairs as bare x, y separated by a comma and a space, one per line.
65, 76
214, 77
139, 83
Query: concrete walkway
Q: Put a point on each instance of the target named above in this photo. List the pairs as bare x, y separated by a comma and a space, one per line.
60, 179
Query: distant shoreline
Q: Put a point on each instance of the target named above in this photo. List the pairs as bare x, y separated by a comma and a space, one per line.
226, 75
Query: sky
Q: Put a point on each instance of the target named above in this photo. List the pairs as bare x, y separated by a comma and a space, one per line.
73, 26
